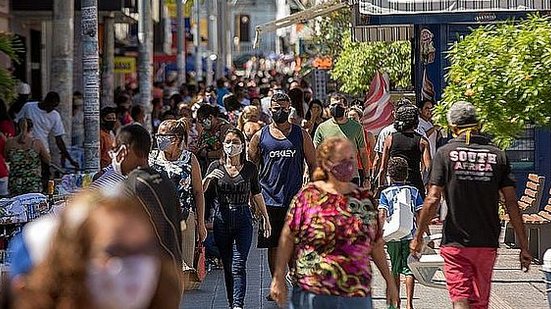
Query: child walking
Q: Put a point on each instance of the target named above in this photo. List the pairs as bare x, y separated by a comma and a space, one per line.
399, 250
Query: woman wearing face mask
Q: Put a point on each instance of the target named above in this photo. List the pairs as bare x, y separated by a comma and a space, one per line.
25, 155
235, 180
107, 137
181, 166
103, 256
333, 270
314, 117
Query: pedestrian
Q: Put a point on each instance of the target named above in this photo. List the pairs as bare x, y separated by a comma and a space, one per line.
314, 117
385, 132
23, 93
138, 114
214, 130
154, 191
102, 255
249, 121
26, 155
426, 125
389, 205
108, 121
46, 120
472, 174
340, 126
298, 107
174, 160
331, 266
408, 144
235, 181
355, 113
280, 150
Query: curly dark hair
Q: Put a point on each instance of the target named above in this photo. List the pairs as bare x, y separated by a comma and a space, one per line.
407, 118
397, 169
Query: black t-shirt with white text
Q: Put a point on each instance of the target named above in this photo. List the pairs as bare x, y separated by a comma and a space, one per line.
471, 175
233, 191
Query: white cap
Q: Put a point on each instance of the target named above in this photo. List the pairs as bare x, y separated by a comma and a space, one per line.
24, 88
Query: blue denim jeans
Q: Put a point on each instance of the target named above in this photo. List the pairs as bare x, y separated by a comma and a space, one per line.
233, 234
306, 300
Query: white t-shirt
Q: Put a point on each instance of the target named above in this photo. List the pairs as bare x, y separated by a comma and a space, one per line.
424, 127
43, 122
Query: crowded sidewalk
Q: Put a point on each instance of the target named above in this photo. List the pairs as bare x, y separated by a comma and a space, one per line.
511, 288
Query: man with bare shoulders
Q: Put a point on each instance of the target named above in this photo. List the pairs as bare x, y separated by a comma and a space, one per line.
280, 150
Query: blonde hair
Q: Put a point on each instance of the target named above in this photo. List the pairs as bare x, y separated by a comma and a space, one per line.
324, 153
244, 117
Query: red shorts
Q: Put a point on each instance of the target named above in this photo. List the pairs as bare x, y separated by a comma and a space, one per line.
468, 273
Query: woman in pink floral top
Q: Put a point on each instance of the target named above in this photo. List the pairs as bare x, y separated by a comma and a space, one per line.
331, 234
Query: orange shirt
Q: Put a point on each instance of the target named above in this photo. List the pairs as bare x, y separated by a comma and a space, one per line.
106, 140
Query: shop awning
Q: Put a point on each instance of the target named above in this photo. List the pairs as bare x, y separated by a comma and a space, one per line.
390, 7
387, 33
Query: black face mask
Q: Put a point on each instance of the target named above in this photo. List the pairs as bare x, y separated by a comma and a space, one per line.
337, 111
280, 116
108, 125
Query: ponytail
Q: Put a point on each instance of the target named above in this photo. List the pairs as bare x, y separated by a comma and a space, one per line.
24, 127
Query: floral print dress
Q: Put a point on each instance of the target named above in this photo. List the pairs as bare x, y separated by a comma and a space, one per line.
25, 171
333, 237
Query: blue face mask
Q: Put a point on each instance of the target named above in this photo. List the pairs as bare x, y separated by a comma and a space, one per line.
164, 142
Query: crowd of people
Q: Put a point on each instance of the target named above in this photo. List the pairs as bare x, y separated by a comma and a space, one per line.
219, 159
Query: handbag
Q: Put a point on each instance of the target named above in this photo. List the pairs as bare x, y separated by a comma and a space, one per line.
199, 271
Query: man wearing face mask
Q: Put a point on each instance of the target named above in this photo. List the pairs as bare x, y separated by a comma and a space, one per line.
340, 126
210, 141
155, 192
108, 117
280, 150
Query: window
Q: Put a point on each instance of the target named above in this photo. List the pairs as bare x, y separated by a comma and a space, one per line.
243, 28
522, 152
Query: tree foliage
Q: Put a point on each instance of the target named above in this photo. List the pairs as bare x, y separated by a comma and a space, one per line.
358, 62
9, 46
504, 71
330, 31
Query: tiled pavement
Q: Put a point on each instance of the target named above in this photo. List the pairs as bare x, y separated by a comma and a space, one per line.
511, 289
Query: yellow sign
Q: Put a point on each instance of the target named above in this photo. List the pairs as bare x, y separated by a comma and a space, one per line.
171, 5
125, 65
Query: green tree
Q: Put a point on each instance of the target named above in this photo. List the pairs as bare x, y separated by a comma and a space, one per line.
329, 35
9, 46
504, 71
358, 62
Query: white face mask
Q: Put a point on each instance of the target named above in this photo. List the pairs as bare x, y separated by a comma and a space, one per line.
116, 163
232, 150
124, 283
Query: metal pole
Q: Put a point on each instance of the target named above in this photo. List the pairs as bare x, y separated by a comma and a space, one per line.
91, 82
209, 68
220, 35
61, 74
181, 56
108, 75
198, 56
145, 41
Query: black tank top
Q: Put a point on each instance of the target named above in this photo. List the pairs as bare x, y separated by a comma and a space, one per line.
407, 145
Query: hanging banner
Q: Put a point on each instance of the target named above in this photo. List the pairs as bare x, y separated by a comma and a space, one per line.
125, 65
